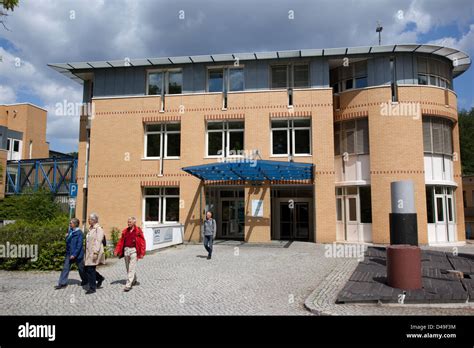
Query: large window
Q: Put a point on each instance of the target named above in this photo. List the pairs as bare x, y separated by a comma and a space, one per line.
225, 138
166, 135
351, 137
225, 79
165, 82
290, 76
437, 135
348, 77
291, 137
161, 204
434, 72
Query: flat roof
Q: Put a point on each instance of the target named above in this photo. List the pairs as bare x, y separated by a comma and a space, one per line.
25, 103
461, 60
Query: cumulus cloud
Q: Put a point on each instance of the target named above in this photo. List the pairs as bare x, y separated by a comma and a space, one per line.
48, 31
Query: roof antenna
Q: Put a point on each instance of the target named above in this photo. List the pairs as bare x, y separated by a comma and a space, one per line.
379, 30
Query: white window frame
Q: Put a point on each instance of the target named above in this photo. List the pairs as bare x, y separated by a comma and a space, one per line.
162, 197
225, 131
163, 135
165, 80
290, 129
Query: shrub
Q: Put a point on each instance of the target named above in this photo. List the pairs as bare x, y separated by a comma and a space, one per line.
31, 206
114, 236
48, 236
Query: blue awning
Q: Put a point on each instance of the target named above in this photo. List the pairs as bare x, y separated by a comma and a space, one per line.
257, 170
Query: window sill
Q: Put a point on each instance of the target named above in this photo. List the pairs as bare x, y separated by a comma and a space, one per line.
159, 158
286, 156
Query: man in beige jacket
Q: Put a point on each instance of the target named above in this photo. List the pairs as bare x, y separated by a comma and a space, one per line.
94, 253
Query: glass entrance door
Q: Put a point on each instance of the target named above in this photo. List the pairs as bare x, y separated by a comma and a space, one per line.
294, 220
232, 218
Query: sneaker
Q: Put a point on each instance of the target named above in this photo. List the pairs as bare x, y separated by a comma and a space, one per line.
127, 289
58, 287
209, 257
90, 291
99, 283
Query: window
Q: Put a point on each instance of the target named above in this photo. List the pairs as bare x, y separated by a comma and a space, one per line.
352, 137
290, 76
434, 72
13, 149
430, 204
165, 82
225, 79
225, 138
166, 134
437, 135
348, 77
291, 137
161, 204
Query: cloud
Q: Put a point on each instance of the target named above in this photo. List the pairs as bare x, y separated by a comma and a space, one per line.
7, 95
49, 31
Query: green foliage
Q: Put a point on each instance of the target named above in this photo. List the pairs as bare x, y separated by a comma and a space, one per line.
48, 236
114, 236
466, 137
37, 206
9, 4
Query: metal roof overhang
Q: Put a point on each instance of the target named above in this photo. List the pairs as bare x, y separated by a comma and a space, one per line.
253, 170
461, 60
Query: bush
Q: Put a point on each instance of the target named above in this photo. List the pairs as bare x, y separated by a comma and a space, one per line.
48, 236
31, 206
114, 236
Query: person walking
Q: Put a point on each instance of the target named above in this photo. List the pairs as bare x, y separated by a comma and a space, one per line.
74, 254
94, 253
209, 233
131, 247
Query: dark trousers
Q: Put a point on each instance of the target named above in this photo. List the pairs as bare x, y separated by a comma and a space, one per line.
208, 240
67, 267
93, 277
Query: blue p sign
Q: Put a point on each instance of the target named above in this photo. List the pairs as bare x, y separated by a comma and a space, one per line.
72, 190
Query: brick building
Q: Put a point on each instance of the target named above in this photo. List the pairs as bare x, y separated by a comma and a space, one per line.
246, 127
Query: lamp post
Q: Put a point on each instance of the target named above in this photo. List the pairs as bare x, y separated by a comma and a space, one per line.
379, 30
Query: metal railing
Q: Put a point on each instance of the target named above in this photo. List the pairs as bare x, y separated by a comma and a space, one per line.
53, 174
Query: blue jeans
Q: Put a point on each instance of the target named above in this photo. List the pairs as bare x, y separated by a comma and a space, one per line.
67, 267
208, 240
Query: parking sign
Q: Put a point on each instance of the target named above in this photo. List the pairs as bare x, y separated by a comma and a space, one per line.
73, 190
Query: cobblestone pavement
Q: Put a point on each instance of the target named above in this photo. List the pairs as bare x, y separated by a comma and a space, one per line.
241, 279
253, 279
322, 299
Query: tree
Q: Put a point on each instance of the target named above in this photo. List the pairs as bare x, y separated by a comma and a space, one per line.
6, 5
466, 138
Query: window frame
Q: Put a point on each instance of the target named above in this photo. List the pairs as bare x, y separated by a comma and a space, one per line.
165, 80
163, 132
290, 136
290, 74
225, 132
162, 197
225, 77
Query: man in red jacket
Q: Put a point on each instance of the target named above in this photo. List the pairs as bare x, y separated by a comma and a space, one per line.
132, 247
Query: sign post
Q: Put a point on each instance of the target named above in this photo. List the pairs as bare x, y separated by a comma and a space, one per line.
72, 199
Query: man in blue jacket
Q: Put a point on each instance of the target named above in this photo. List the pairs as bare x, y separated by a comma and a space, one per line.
74, 254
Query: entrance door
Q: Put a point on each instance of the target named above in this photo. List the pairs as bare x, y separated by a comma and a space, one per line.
444, 214
232, 218
293, 219
351, 220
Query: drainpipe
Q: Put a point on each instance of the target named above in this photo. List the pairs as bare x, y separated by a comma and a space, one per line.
162, 142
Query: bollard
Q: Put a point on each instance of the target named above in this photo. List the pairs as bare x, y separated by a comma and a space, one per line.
403, 220
404, 267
